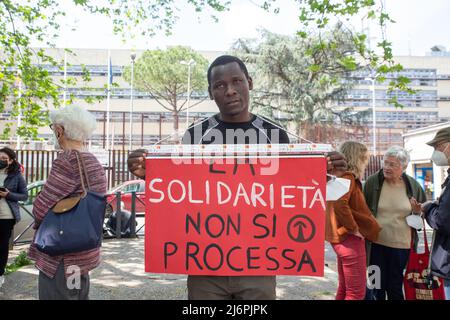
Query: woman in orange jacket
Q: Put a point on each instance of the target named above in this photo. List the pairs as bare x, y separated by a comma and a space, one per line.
348, 223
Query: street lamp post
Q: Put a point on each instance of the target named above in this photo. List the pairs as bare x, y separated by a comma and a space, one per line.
65, 78
133, 57
374, 115
189, 64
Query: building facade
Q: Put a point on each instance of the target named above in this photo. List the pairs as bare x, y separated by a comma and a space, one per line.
430, 77
151, 123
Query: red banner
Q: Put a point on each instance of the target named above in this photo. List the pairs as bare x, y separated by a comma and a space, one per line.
236, 218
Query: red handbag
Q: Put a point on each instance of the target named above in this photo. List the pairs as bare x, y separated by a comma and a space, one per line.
418, 282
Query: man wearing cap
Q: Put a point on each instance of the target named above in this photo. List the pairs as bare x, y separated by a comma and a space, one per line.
437, 213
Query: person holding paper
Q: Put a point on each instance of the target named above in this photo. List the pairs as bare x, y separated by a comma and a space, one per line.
348, 222
228, 85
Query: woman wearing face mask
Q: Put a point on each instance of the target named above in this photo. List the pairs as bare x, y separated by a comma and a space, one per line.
13, 188
71, 126
437, 213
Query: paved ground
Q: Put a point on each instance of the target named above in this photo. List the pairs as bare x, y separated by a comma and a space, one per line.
121, 276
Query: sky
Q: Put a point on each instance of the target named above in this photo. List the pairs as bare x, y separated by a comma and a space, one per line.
420, 24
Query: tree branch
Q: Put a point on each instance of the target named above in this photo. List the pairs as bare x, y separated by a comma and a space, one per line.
13, 27
191, 106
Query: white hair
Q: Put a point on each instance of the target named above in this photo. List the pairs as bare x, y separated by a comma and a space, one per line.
400, 153
78, 123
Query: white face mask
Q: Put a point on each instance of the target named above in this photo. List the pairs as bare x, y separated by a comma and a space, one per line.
439, 158
336, 188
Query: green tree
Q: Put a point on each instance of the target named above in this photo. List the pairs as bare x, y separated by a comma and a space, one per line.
26, 87
160, 73
301, 76
22, 22
317, 14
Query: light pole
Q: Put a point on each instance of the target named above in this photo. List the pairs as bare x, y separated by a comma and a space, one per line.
189, 64
65, 78
133, 57
374, 115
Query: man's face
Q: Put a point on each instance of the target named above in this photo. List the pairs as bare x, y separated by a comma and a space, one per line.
230, 90
444, 147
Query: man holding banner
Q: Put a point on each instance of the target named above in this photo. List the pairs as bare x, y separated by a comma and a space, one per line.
229, 84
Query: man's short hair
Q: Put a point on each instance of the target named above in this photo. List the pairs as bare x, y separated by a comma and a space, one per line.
223, 60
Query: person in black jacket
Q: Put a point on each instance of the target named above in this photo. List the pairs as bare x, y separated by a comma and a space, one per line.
13, 188
437, 213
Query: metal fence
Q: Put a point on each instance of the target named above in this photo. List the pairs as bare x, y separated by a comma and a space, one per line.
117, 172
37, 165
24, 230
375, 164
133, 229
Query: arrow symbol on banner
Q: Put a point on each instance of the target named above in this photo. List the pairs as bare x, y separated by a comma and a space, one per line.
298, 226
300, 237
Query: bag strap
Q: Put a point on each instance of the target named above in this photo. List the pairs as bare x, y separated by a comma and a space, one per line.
83, 163
82, 169
432, 246
425, 241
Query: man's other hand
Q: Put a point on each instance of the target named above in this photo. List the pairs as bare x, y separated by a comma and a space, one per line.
336, 163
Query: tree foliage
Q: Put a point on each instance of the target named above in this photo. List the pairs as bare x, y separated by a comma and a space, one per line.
301, 76
25, 21
379, 60
161, 74
26, 87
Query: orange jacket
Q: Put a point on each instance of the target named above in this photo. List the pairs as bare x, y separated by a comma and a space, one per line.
350, 214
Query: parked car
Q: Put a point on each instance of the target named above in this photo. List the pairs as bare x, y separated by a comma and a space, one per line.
24, 226
125, 190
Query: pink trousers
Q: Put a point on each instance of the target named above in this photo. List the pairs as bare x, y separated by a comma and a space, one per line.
351, 262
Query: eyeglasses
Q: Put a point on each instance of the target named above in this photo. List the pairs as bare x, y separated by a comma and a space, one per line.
391, 164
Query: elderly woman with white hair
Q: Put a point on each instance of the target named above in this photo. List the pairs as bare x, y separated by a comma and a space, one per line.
71, 127
392, 196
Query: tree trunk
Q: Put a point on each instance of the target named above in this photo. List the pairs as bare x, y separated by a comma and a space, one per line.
306, 129
176, 136
175, 120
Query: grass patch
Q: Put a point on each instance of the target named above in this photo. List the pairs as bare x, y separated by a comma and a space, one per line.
20, 261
